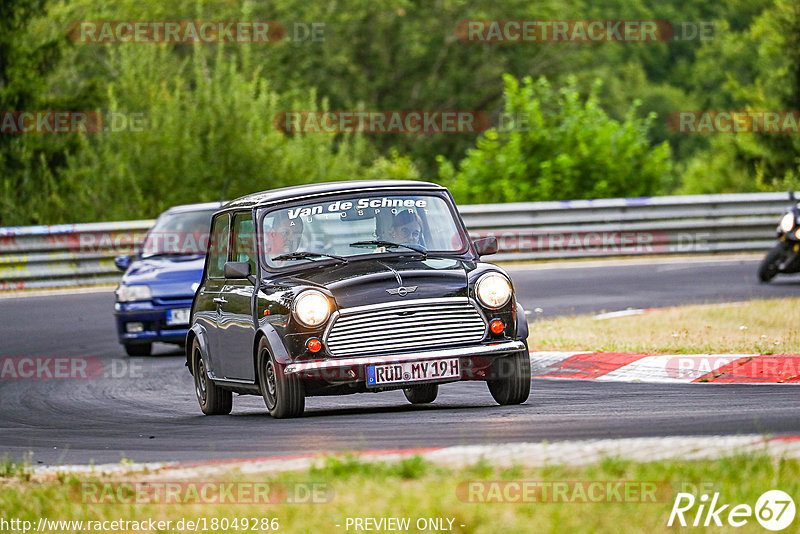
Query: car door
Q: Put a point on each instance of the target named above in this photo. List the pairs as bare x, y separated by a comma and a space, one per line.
209, 295
236, 327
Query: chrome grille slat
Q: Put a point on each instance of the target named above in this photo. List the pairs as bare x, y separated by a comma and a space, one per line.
415, 310
421, 324
425, 342
403, 323
397, 348
388, 337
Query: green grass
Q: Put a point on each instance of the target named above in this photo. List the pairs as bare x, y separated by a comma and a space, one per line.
415, 488
754, 327
14, 469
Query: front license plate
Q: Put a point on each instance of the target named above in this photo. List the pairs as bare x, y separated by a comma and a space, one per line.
180, 316
394, 373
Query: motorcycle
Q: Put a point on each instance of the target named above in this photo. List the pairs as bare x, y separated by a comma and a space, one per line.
784, 258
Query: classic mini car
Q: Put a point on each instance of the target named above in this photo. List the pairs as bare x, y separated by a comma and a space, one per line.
155, 295
349, 287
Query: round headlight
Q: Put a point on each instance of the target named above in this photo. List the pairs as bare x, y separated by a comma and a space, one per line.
787, 222
131, 293
312, 308
493, 290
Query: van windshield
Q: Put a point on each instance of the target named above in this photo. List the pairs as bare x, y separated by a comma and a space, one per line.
179, 234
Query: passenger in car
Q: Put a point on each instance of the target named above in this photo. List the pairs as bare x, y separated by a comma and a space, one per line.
284, 235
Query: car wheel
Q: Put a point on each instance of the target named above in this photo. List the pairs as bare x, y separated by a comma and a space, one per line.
138, 349
510, 378
283, 395
421, 394
213, 399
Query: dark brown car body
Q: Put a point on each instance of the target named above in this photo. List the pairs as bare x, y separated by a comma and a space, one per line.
393, 307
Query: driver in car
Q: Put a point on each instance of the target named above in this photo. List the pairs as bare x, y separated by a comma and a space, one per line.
406, 228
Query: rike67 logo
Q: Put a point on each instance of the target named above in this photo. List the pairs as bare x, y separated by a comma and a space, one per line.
774, 510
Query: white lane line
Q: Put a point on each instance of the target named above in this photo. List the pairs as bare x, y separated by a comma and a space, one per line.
622, 313
536, 454
637, 449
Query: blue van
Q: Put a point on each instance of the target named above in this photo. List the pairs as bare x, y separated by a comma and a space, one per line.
155, 295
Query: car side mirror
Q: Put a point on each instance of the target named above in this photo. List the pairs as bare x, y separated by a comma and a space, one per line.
122, 262
236, 269
486, 245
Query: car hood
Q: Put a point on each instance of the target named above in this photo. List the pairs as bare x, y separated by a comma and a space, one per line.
167, 275
369, 282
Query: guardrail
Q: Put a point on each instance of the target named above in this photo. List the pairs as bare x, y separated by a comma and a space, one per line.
65, 254
82, 254
694, 224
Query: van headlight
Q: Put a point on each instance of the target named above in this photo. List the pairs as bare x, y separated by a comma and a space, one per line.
787, 222
312, 308
131, 293
494, 290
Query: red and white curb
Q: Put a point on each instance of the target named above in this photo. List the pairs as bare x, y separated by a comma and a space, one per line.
668, 368
500, 455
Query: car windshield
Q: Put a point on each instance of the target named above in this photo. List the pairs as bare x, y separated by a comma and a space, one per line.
353, 226
179, 234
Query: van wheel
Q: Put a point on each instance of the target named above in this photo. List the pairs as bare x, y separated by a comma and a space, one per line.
510, 378
213, 399
284, 395
421, 394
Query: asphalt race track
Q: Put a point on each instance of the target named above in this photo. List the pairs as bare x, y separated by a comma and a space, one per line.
578, 288
145, 409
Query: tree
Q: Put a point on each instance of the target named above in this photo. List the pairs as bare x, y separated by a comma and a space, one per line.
745, 161
775, 86
26, 160
192, 132
569, 148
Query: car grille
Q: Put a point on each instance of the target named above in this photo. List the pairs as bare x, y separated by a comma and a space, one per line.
419, 324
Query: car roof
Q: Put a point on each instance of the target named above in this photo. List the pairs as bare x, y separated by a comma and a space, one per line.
185, 208
298, 192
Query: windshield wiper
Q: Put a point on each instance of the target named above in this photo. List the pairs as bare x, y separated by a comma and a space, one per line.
390, 244
304, 255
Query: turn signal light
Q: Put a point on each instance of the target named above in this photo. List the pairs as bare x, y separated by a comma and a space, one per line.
497, 326
314, 345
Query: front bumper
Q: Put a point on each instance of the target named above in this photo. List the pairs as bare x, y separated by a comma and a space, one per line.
153, 316
340, 367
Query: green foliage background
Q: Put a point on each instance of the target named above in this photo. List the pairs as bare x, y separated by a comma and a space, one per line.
595, 114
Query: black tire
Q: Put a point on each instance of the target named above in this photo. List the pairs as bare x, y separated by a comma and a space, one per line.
213, 400
769, 265
138, 349
284, 395
422, 394
510, 378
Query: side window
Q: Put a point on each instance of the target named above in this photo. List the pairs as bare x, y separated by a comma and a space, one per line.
244, 247
218, 251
